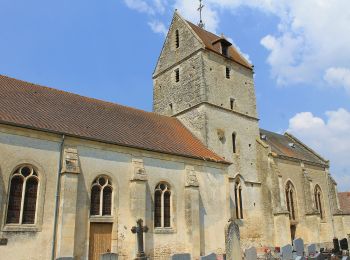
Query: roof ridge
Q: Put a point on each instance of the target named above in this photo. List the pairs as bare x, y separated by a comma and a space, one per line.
223, 37
214, 34
81, 96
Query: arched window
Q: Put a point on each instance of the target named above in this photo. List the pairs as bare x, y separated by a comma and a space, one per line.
238, 200
291, 200
23, 196
162, 206
101, 197
318, 200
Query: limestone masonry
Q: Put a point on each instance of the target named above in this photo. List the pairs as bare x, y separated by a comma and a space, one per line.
77, 173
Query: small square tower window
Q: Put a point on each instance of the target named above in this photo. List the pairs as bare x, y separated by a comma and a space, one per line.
177, 75
228, 72
232, 103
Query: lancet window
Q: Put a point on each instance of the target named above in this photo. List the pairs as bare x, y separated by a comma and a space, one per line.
318, 200
238, 200
291, 200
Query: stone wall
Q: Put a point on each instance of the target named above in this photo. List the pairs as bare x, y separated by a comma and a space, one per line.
133, 197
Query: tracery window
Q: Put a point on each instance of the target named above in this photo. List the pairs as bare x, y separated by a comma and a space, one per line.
23, 195
162, 206
291, 200
101, 197
318, 200
238, 200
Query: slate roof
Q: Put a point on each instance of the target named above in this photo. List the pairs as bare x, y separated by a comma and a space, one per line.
209, 38
344, 201
280, 144
29, 105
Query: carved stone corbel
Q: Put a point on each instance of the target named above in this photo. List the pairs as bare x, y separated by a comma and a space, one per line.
191, 177
139, 172
70, 163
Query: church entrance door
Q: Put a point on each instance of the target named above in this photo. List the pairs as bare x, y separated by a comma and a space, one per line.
100, 239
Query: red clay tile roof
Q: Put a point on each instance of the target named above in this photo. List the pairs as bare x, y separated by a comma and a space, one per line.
209, 38
344, 201
42, 108
280, 144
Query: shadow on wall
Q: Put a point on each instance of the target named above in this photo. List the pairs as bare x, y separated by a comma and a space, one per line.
149, 239
82, 217
2, 197
202, 214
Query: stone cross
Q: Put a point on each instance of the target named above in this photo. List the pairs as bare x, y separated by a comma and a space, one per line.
201, 6
139, 230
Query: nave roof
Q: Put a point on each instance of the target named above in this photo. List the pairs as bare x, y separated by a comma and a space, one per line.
41, 108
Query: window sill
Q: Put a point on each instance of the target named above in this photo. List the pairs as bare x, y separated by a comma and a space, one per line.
21, 228
164, 230
108, 219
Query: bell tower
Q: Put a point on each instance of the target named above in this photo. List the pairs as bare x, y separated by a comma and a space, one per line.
201, 79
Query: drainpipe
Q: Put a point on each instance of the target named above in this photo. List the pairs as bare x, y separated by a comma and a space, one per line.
58, 186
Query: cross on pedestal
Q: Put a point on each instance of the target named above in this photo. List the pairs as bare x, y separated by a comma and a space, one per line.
139, 230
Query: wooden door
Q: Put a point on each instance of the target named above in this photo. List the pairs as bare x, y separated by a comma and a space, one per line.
100, 239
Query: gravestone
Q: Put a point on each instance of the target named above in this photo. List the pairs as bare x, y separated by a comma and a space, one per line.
211, 256
336, 248
344, 244
251, 254
65, 258
232, 241
298, 245
287, 252
181, 257
345, 258
109, 256
311, 249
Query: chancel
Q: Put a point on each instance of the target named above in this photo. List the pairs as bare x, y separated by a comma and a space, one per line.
76, 173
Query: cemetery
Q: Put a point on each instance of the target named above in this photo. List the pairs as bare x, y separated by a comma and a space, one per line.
297, 250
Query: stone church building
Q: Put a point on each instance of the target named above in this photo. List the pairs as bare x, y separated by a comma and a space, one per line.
77, 173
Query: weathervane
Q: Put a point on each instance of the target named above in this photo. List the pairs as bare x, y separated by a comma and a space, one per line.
201, 6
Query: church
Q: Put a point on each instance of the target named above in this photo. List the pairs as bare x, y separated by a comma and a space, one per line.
76, 173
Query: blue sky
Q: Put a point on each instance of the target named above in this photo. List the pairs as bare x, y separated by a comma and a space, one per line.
108, 50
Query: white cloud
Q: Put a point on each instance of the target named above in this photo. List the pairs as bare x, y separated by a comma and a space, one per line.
158, 27
140, 6
312, 34
330, 137
339, 77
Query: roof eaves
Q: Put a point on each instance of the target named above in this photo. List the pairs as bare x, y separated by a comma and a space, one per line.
114, 143
294, 159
